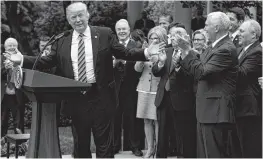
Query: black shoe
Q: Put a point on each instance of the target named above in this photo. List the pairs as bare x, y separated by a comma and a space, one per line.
137, 152
116, 151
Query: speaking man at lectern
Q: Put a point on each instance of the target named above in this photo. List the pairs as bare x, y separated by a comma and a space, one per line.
85, 54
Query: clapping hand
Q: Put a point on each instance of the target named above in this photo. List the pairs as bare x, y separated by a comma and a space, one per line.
15, 58
162, 57
260, 81
155, 49
183, 43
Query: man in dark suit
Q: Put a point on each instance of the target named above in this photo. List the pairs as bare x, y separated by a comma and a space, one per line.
216, 72
198, 22
127, 80
144, 23
237, 17
175, 102
85, 54
249, 93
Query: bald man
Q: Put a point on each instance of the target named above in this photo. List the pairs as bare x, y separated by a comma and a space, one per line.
85, 55
12, 98
127, 79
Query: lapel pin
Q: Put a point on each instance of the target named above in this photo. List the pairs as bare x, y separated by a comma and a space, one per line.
95, 36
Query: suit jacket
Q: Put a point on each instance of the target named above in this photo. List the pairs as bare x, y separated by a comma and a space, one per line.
127, 80
181, 84
104, 45
249, 93
216, 72
148, 82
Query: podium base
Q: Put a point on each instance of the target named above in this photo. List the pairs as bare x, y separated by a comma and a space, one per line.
44, 140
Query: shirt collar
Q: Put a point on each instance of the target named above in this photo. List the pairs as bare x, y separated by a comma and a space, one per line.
215, 42
126, 41
86, 33
245, 49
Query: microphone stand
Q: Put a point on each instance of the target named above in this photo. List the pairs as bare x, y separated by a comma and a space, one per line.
41, 51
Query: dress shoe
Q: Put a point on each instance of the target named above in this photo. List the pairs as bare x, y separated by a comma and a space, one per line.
116, 151
137, 152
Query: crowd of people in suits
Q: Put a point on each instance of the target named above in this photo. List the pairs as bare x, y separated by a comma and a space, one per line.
190, 96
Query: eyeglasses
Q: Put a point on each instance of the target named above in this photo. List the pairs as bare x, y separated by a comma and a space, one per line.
198, 40
153, 38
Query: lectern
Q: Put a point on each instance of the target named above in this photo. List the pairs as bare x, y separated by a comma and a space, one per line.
44, 90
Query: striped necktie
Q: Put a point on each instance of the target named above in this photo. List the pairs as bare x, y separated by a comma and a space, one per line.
81, 60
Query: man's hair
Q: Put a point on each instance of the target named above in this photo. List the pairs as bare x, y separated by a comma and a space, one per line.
44, 38
239, 12
247, 12
255, 27
76, 4
10, 40
122, 21
221, 19
160, 32
176, 24
170, 17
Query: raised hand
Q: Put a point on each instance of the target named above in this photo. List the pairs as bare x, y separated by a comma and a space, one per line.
162, 57
15, 58
183, 42
155, 49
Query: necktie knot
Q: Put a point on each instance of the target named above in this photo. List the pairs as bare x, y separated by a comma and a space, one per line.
81, 35
122, 42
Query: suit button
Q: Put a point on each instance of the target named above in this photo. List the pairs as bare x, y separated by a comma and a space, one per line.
150, 66
149, 80
149, 73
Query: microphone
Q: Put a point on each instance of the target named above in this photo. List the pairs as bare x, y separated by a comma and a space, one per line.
50, 42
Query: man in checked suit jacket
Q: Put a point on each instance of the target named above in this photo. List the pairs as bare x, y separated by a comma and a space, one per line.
216, 72
175, 102
96, 107
249, 93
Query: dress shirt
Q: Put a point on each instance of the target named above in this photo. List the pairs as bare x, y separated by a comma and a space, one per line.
124, 43
89, 55
215, 42
234, 34
244, 50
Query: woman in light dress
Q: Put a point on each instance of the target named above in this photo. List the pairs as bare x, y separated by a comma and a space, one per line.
147, 88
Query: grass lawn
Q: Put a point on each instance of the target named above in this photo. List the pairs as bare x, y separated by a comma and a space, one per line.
66, 141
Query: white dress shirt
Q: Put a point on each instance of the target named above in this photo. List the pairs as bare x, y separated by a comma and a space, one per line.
89, 55
244, 50
125, 44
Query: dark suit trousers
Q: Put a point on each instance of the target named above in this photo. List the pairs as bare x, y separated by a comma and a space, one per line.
184, 123
214, 140
250, 134
89, 114
125, 117
9, 103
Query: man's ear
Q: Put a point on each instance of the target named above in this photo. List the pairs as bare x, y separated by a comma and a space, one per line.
216, 28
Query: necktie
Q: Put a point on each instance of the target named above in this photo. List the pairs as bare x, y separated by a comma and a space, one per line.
167, 85
82, 60
124, 44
